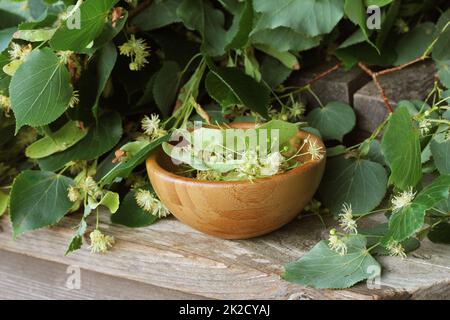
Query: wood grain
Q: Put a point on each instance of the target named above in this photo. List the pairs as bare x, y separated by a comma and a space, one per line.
24, 278
173, 256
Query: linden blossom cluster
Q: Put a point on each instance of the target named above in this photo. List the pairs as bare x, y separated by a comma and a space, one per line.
337, 241
235, 154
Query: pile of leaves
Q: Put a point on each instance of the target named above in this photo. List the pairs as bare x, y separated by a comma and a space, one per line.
78, 77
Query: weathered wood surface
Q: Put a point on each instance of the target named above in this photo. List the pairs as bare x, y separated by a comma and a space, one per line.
179, 260
24, 277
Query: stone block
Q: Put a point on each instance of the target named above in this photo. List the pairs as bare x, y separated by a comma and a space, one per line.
412, 83
337, 86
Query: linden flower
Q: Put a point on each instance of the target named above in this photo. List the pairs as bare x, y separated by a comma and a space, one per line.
17, 52
137, 49
210, 175
99, 242
336, 243
145, 200
74, 100
162, 210
150, 125
296, 111
64, 56
396, 249
272, 164
5, 104
150, 203
314, 150
91, 187
424, 127
249, 165
403, 199
73, 194
346, 219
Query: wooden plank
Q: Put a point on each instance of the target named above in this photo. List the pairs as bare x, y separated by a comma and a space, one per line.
173, 256
23, 277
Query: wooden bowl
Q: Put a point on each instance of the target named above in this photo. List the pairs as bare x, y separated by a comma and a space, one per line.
238, 209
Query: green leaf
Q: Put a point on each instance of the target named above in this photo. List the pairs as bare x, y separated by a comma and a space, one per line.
4, 199
309, 17
131, 215
60, 140
441, 50
40, 90
6, 36
323, 268
38, 199
379, 3
286, 131
230, 86
127, 165
333, 121
443, 68
37, 35
101, 138
165, 86
273, 72
200, 15
4, 78
440, 149
413, 44
357, 37
375, 233
237, 36
285, 39
356, 12
93, 14
389, 19
440, 233
110, 200
401, 149
361, 183
286, 58
77, 240
106, 60
364, 52
408, 220
159, 14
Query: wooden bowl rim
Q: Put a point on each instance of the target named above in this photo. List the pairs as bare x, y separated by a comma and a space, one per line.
153, 165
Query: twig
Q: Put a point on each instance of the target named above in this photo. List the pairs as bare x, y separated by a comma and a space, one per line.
403, 66
307, 86
324, 74
378, 84
139, 8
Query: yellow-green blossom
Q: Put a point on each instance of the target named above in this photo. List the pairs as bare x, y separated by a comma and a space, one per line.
99, 242
137, 50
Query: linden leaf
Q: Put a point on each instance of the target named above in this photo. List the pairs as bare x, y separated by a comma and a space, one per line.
310, 17
101, 138
40, 89
38, 199
324, 268
4, 199
93, 14
333, 121
358, 182
401, 148
131, 215
60, 140
408, 220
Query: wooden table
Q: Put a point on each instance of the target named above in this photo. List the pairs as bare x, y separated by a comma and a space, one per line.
170, 260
